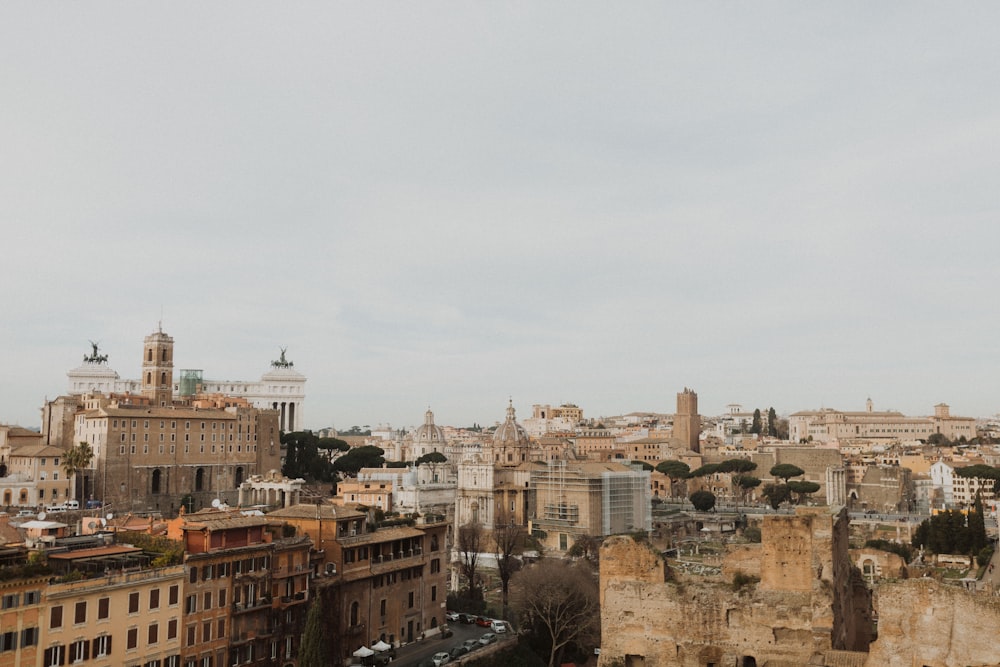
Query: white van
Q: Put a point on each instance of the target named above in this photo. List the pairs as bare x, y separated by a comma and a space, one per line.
498, 626
72, 504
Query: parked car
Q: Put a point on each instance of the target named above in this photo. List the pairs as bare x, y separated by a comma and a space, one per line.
466, 618
451, 615
55, 508
498, 626
26, 513
441, 658
471, 644
458, 652
445, 632
488, 638
483, 622
72, 504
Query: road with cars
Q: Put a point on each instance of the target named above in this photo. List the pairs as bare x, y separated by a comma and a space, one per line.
422, 653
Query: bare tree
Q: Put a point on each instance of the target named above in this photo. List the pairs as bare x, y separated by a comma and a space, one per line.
559, 603
507, 539
470, 544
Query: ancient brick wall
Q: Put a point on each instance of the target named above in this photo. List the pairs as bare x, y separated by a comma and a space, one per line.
924, 622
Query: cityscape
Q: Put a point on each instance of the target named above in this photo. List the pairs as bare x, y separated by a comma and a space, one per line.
499, 334
190, 521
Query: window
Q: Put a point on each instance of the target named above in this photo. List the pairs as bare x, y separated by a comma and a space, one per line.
410, 600
103, 608
191, 604
221, 630
55, 617
172, 629
154, 598
193, 575
172, 661
206, 631
132, 639
153, 635
79, 651
208, 600
8, 641
29, 637
173, 595
222, 597
80, 614
381, 607
102, 646
190, 635
435, 566
133, 603
54, 656
434, 593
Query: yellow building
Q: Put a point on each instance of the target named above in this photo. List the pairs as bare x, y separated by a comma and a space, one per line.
20, 620
124, 619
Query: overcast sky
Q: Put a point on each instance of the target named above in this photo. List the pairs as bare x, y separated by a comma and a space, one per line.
449, 204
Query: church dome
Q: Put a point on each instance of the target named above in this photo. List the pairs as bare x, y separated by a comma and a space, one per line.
510, 433
429, 433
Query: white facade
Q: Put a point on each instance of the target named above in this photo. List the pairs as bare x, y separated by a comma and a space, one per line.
943, 478
282, 388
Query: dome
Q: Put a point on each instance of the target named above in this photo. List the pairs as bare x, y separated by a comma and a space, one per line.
429, 433
510, 433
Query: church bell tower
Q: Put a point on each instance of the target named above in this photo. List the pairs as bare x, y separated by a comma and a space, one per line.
158, 368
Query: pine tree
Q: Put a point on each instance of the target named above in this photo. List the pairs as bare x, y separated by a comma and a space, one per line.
315, 650
755, 425
772, 423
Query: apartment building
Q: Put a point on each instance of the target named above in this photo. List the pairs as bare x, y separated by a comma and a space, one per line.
32, 476
122, 619
246, 590
21, 617
385, 582
829, 424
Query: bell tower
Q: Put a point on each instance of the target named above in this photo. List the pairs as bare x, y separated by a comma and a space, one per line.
158, 368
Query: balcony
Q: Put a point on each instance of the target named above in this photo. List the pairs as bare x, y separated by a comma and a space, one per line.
389, 562
243, 607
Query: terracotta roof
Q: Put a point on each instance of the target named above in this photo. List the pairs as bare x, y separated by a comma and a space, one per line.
78, 554
37, 450
326, 511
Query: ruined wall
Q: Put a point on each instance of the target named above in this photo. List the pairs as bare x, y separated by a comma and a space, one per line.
744, 558
924, 622
803, 607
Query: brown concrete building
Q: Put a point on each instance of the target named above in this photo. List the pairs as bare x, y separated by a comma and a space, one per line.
246, 590
148, 458
385, 583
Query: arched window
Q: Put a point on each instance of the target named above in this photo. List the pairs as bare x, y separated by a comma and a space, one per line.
199, 479
354, 614
164, 356
163, 378
238, 479
6, 497
149, 354
149, 378
155, 482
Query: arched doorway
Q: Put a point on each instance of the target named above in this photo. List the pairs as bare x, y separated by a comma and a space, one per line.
154, 486
238, 478
199, 479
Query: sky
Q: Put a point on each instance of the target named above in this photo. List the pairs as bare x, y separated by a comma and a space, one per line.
449, 205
